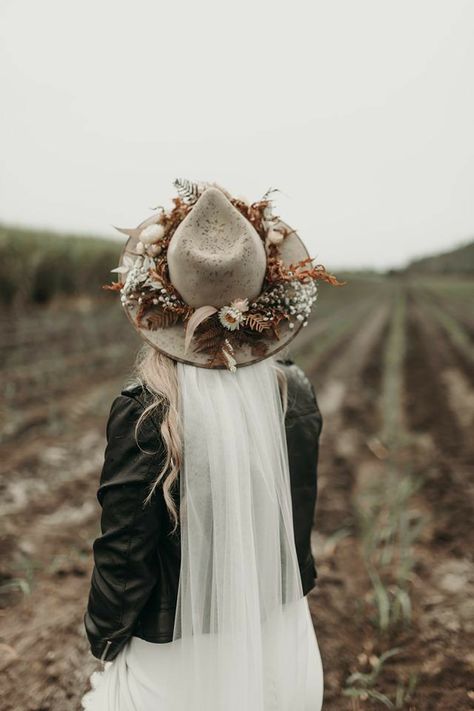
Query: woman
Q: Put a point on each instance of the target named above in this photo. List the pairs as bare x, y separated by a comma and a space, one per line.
208, 487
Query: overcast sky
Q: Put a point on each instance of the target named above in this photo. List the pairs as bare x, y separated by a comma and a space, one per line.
361, 112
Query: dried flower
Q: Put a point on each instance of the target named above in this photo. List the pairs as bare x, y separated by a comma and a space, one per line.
275, 237
152, 233
232, 316
241, 304
154, 250
268, 213
228, 353
137, 275
124, 268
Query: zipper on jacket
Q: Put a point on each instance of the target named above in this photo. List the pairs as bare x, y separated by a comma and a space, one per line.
106, 649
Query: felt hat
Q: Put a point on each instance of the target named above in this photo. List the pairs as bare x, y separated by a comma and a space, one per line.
216, 282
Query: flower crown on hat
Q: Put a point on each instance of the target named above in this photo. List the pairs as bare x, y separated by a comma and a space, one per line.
288, 292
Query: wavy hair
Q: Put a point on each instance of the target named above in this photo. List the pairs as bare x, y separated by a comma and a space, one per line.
157, 373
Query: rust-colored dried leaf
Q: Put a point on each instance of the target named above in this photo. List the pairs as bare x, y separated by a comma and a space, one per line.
114, 286
256, 323
160, 319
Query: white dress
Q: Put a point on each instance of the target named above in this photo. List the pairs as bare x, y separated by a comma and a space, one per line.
142, 676
243, 638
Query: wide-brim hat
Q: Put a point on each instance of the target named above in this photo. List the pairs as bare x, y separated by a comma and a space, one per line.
216, 270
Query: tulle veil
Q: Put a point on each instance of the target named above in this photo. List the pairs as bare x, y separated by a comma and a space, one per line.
241, 624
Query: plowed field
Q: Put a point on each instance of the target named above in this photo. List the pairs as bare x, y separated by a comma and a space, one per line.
392, 364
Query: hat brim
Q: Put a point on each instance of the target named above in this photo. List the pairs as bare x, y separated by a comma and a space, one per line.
170, 340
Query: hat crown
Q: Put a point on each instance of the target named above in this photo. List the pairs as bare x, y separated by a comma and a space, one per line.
216, 255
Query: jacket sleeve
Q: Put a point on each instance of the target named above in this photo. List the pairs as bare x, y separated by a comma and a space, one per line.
303, 429
125, 569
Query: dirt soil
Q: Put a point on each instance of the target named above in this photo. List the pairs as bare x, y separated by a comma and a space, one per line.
52, 454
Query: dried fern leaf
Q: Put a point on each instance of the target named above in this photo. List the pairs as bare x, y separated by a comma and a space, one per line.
269, 192
160, 319
188, 190
211, 326
219, 357
256, 323
209, 345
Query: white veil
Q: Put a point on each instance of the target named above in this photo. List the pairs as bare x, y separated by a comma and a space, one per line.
241, 624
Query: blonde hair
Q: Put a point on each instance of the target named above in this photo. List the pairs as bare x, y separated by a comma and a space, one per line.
157, 373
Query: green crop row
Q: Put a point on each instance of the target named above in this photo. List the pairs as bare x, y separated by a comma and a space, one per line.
39, 266
389, 523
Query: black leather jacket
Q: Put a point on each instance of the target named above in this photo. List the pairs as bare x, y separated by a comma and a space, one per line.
134, 582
